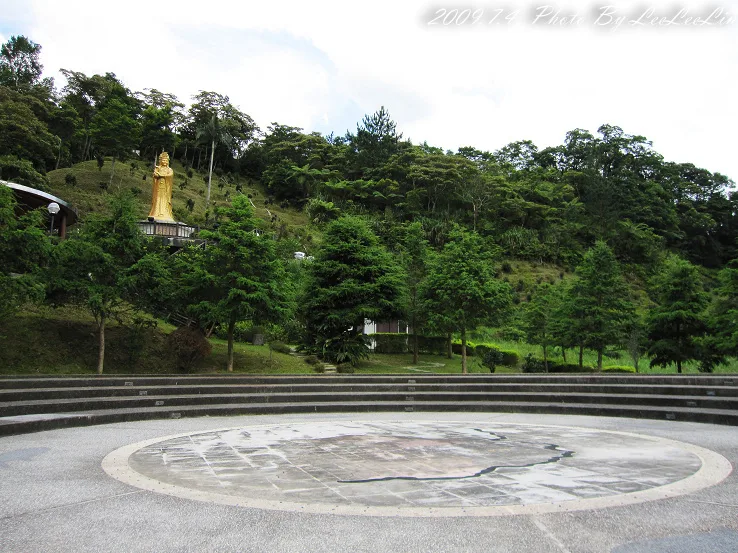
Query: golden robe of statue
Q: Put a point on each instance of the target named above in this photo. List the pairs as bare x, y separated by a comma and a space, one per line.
161, 196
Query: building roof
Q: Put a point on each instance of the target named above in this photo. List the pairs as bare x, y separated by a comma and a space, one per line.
34, 198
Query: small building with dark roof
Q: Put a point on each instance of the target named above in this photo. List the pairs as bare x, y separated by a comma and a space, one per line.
31, 198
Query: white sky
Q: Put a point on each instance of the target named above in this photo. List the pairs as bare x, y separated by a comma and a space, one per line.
323, 65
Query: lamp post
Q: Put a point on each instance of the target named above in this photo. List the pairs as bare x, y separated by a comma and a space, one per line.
53, 208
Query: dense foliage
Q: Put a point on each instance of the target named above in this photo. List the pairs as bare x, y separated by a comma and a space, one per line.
403, 230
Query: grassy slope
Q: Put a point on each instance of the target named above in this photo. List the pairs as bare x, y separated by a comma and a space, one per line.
70, 333
87, 196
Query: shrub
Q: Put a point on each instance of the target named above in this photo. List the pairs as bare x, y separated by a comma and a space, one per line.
506, 267
434, 345
385, 342
569, 368
187, 346
319, 368
70, 179
280, 347
345, 368
312, 360
346, 348
456, 348
510, 358
189, 173
533, 365
490, 357
103, 185
136, 191
619, 369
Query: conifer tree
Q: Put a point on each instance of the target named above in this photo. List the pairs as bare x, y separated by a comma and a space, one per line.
600, 301
462, 287
677, 321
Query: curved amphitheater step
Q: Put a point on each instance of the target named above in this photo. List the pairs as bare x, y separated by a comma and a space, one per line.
33, 404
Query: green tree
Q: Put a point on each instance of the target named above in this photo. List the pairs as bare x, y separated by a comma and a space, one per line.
538, 318
91, 266
415, 256
678, 319
22, 133
156, 131
353, 278
462, 288
19, 64
115, 128
238, 277
600, 301
375, 141
723, 315
24, 252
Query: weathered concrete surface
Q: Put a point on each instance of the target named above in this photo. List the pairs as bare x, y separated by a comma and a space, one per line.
56, 497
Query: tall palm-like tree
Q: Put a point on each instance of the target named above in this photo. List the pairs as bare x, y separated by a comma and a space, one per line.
213, 133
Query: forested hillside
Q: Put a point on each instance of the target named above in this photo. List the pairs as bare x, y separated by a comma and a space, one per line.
597, 244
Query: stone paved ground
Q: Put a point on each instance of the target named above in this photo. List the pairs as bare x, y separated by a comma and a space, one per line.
56, 496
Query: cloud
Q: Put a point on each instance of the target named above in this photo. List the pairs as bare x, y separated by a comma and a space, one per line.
323, 65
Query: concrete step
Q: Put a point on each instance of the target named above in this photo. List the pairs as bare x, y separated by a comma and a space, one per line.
138, 380
16, 408
34, 423
32, 394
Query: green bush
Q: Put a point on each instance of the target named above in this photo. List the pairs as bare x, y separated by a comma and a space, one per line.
345, 368
346, 348
433, 345
619, 369
533, 365
386, 342
187, 346
489, 356
280, 347
456, 348
510, 358
70, 179
312, 360
569, 368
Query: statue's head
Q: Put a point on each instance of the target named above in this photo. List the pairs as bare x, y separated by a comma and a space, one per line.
164, 159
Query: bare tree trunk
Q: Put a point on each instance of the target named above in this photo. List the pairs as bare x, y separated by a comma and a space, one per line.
210, 174
101, 352
599, 359
463, 352
415, 348
450, 352
545, 357
187, 144
581, 356
679, 366
112, 172
58, 158
86, 148
563, 353
231, 327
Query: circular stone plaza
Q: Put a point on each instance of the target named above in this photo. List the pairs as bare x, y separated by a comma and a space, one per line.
394, 481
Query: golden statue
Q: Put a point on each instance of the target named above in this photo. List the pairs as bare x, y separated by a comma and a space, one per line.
161, 196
